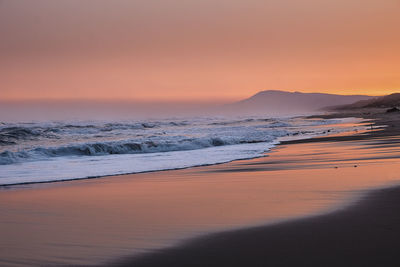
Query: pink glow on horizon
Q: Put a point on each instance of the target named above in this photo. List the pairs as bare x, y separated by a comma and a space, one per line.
196, 50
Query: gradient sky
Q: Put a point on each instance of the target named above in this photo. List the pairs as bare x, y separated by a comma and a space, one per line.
203, 50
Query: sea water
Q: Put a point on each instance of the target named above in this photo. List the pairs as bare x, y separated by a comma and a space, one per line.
33, 152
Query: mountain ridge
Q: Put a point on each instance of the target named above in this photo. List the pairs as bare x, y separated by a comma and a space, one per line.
277, 101
387, 101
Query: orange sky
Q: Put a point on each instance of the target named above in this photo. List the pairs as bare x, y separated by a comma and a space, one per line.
202, 50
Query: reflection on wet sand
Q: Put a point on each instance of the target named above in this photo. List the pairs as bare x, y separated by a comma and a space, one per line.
94, 221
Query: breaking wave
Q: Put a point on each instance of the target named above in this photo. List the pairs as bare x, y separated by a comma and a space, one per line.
121, 147
49, 151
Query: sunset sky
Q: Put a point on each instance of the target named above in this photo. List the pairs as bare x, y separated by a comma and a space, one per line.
196, 50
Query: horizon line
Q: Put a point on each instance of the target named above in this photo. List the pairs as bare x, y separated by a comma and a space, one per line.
181, 100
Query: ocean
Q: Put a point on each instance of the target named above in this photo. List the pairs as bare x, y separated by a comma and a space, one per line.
32, 152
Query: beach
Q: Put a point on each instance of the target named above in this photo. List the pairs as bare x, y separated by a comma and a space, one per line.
199, 133
364, 233
328, 201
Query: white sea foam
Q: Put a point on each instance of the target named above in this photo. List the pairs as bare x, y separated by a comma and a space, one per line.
38, 152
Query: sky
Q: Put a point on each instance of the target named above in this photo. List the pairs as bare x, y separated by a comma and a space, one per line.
209, 50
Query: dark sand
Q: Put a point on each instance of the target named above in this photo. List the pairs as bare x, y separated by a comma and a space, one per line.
366, 233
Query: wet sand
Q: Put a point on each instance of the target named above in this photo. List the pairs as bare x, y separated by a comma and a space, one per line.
135, 219
365, 234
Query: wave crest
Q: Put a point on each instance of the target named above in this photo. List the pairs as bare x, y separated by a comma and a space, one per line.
121, 147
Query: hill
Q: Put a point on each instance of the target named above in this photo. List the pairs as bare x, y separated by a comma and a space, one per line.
388, 101
278, 102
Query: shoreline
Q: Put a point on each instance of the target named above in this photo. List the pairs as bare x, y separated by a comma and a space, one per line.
365, 233
274, 144
281, 187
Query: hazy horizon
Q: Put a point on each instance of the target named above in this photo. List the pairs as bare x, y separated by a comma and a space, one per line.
196, 50
282, 103
42, 110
